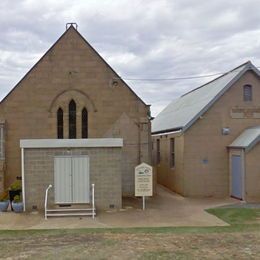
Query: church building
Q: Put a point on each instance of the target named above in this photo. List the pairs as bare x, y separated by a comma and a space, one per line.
206, 143
72, 122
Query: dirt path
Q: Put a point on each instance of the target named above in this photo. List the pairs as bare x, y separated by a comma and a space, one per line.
131, 246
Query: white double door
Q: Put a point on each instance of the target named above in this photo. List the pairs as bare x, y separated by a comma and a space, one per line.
71, 179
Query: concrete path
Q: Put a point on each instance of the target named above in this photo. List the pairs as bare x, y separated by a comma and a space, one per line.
165, 209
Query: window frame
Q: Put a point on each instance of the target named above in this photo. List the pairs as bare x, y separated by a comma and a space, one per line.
60, 123
172, 153
158, 151
84, 123
72, 120
247, 93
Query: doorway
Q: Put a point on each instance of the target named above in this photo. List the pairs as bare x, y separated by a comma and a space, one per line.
236, 177
71, 179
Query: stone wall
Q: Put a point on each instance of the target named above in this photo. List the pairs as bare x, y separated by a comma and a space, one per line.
2, 175
170, 177
105, 172
252, 175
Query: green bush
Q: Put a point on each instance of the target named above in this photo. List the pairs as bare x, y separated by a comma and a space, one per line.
17, 198
17, 185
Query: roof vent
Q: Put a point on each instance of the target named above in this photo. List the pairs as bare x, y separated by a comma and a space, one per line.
68, 25
114, 83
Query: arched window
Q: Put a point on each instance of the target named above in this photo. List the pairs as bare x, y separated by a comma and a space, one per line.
60, 123
72, 119
84, 123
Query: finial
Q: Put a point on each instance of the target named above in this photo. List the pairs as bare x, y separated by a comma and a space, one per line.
75, 25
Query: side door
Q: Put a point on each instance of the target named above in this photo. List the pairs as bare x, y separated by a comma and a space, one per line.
62, 180
236, 177
80, 179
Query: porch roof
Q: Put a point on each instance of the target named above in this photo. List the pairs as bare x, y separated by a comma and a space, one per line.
67, 143
248, 139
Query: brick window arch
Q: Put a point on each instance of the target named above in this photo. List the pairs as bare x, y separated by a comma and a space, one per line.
60, 123
72, 119
84, 123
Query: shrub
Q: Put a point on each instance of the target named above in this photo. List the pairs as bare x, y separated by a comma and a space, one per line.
17, 198
17, 185
4, 196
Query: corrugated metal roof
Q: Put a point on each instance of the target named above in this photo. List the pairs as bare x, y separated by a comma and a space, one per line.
248, 139
184, 111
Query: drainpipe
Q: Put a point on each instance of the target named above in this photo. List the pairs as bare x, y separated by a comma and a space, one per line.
139, 142
23, 183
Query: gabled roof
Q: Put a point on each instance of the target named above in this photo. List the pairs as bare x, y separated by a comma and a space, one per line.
248, 139
181, 113
88, 44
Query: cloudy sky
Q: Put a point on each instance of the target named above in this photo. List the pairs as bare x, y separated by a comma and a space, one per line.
140, 39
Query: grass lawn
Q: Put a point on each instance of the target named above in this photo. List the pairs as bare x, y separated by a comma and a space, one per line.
240, 240
237, 216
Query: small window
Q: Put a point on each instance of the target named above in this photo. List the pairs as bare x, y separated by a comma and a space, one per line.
158, 157
172, 152
84, 123
60, 123
72, 119
248, 93
2, 141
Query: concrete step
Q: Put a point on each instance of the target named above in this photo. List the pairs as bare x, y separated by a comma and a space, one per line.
69, 209
71, 206
69, 214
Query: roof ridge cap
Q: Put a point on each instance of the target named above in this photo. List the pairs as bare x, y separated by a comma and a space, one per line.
247, 64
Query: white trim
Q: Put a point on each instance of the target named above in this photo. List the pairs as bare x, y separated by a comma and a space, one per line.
243, 175
23, 183
243, 172
67, 143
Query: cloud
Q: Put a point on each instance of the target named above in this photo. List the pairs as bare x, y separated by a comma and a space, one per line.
139, 39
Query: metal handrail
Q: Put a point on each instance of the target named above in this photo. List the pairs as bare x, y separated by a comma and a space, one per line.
46, 201
93, 200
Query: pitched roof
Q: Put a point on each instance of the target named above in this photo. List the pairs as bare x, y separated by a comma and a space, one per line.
181, 113
248, 139
71, 27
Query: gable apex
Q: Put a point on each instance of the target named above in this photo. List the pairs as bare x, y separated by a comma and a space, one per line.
69, 30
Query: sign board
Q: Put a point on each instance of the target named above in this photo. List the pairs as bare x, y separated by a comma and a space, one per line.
143, 180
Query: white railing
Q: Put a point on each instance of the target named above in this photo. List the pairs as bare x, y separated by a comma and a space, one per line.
93, 200
46, 201
72, 211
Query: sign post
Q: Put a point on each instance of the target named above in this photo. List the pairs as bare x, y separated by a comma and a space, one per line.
143, 181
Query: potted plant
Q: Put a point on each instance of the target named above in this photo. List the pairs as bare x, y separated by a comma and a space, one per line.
17, 204
14, 189
4, 201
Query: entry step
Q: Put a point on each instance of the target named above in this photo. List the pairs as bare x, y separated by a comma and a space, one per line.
70, 214
69, 209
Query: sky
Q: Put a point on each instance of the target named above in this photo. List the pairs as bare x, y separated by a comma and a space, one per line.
153, 40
